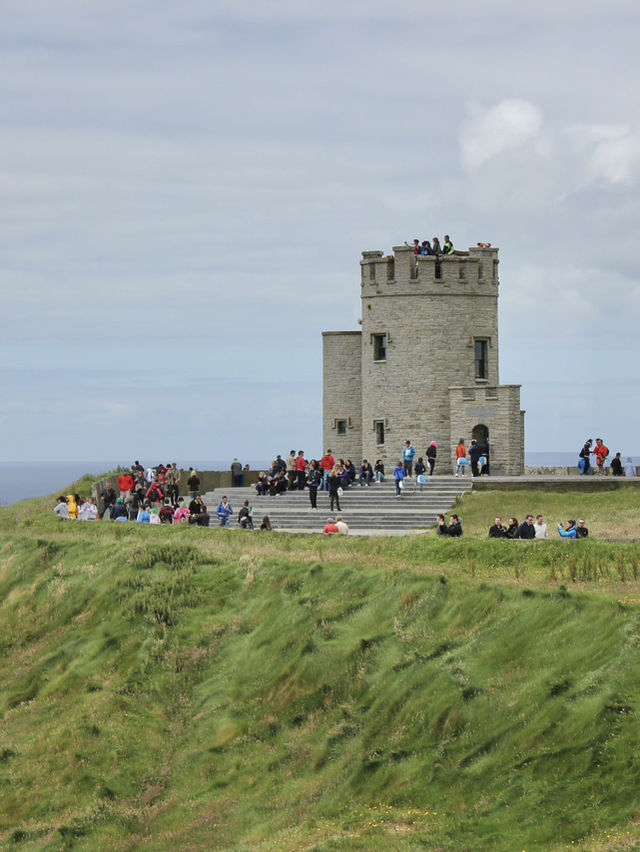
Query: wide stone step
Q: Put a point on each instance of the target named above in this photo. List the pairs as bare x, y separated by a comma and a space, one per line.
374, 510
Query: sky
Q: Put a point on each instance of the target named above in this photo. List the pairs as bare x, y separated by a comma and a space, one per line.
187, 189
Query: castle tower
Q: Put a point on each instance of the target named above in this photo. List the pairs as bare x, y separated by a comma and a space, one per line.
424, 366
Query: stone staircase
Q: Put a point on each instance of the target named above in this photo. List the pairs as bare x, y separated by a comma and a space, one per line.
367, 511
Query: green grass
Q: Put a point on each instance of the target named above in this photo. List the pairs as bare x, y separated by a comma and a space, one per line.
179, 688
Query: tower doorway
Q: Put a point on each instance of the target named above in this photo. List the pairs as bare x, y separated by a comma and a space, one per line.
480, 434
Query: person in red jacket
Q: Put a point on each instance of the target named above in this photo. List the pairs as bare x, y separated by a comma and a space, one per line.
600, 452
155, 493
328, 463
301, 469
331, 528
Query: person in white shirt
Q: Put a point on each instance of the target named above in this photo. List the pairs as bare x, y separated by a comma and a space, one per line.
342, 527
541, 528
87, 511
62, 509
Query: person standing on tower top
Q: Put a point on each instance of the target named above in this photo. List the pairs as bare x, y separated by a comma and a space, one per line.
448, 248
415, 247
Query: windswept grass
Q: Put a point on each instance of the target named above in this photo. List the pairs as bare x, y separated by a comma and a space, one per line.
172, 688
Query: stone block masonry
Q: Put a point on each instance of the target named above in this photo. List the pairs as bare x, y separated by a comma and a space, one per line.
425, 365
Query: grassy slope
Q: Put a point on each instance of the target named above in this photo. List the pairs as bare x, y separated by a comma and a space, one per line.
183, 688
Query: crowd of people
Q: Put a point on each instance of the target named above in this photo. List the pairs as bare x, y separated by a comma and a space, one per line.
433, 248
296, 473
601, 453
152, 496
538, 530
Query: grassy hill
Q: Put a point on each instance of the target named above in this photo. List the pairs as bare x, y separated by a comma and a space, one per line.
172, 688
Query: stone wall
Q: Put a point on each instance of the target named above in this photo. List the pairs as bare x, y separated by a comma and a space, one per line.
342, 394
431, 324
497, 408
430, 314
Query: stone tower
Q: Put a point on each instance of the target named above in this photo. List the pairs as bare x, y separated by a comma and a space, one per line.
424, 367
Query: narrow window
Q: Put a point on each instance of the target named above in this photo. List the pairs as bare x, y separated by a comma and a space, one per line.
341, 427
480, 272
481, 349
372, 272
391, 269
379, 427
379, 347
438, 269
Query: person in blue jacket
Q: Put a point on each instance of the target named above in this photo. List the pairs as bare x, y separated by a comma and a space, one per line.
398, 475
408, 455
224, 512
569, 531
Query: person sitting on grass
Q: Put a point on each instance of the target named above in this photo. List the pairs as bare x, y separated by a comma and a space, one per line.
202, 518
569, 531
266, 524
581, 530
144, 516
527, 530
453, 529
331, 528
512, 529
343, 529
181, 514
62, 508
497, 530
541, 528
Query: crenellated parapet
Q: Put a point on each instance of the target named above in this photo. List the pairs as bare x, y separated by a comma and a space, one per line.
466, 272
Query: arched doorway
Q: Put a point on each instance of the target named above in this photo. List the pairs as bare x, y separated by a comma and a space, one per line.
480, 434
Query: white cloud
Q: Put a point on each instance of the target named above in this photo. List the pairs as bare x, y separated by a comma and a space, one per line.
509, 124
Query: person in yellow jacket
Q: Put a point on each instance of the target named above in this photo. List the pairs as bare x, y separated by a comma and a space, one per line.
72, 503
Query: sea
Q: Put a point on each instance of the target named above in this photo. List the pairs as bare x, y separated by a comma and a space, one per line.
21, 480
24, 479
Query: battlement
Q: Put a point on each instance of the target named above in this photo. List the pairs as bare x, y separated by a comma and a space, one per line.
472, 271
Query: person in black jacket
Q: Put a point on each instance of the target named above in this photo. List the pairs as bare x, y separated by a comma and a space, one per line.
497, 530
453, 529
512, 529
431, 456
527, 530
616, 465
108, 498
475, 451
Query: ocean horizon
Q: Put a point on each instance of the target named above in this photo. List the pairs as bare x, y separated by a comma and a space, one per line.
20, 480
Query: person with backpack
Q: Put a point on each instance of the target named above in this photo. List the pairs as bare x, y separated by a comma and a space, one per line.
245, 518
420, 469
601, 452
154, 493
